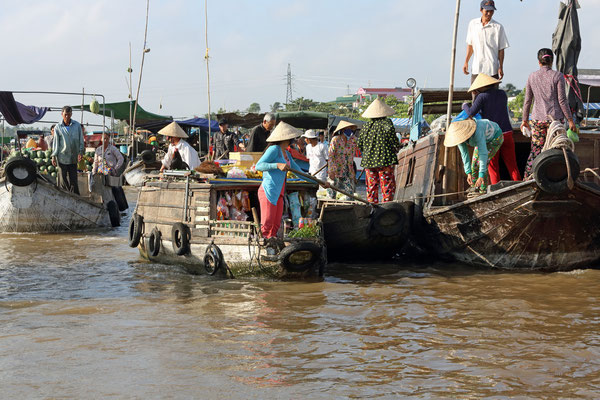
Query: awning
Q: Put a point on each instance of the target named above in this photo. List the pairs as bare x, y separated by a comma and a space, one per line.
314, 119
16, 113
200, 123
120, 111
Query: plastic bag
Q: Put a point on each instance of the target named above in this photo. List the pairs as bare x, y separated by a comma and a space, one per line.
222, 208
295, 208
526, 131
235, 172
463, 115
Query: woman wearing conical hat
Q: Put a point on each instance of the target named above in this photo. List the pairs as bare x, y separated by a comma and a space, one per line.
379, 146
341, 158
178, 148
486, 138
492, 103
274, 163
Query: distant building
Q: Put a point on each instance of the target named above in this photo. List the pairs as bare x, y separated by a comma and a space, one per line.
370, 93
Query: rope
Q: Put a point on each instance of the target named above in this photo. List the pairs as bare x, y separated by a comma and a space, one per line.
557, 138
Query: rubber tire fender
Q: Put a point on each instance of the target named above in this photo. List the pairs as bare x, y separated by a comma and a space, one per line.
136, 223
547, 170
388, 210
213, 256
154, 243
119, 195
24, 163
148, 156
286, 254
180, 236
113, 213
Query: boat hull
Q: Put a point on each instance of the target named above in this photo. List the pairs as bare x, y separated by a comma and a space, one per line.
42, 207
519, 227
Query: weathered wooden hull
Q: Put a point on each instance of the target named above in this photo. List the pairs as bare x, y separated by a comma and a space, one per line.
162, 205
350, 235
518, 227
42, 207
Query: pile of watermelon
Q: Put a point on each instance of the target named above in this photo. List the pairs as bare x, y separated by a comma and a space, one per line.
41, 158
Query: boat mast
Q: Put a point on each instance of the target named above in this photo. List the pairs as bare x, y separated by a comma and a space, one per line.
451, 89
207, 81
137, 95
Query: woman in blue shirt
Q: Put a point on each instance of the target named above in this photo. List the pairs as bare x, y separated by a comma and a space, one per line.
486, 138
274, 163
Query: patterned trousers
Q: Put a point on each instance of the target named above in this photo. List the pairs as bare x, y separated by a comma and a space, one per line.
347, 184
539, 129
492, 148
381, 177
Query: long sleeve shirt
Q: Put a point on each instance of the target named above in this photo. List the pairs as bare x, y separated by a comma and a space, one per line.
485, 132
548, 89
273, 177
258, 139
378, 143
188, 155
113, 160
493, 105
68, 142
341, 156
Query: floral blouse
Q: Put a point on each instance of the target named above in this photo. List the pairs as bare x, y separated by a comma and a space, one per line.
378, 143
341, 156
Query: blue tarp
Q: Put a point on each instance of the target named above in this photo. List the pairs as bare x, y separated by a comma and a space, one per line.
592, 106
200, 123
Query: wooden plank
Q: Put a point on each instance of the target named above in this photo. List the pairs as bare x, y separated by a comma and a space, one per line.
220, 229
199, 232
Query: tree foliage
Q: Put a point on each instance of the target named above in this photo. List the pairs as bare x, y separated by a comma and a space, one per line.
516, 105
254, 108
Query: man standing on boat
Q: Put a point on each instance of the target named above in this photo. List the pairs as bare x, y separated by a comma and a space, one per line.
486, 41
180, 152
224, 141
260, 133
67, 149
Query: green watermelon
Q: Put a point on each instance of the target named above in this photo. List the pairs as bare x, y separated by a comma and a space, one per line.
53, 174
38, 161
47, 161
51, 168
42, 169
40, 154
48, 153
95, 106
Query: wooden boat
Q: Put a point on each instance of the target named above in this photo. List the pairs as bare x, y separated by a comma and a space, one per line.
30, 202
542, 224
175, 222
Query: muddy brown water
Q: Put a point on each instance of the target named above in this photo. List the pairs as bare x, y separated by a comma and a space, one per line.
82, 317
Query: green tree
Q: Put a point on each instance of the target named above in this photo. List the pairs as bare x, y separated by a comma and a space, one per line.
254, 108
516, 104
276, 107
511, 90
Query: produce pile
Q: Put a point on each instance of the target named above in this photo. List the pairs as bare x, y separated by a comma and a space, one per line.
86, 162
41, 158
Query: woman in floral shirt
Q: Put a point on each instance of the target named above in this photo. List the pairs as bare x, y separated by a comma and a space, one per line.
379, 146
341, 158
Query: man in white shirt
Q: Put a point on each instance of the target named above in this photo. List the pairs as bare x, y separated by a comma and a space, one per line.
317, 154
486, 41
178, 148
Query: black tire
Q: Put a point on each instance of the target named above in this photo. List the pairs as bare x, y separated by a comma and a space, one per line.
113, 213
550, 170
21, 171
154, 243
300, 256
136, 223
213, 259
119, 195
388, 220
180, 236
148, 156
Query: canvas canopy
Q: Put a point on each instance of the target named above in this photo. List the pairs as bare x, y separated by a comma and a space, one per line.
120, 111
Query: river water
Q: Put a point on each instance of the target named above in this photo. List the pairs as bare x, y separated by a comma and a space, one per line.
82, 317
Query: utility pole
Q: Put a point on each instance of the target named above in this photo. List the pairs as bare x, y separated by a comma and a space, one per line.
288, 96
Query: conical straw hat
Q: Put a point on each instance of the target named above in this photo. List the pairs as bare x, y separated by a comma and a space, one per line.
378, 109
174, 130
459, 132
284, 131
483, 80
344, 125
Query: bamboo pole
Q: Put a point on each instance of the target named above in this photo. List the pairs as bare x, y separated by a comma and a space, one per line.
451, 90
144, 51
206, 57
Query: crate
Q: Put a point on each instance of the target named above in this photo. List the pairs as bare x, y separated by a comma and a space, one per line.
246, 159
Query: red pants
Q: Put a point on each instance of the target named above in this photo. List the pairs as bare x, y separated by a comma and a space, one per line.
270, 214
507, 151
384, 177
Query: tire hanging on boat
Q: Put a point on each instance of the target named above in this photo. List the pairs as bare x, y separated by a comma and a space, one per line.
154, 243
135, 229
180, 236
213, 259
113, 213
388, 220
550, 170
300, 256
21, 171
119, 195
148, 156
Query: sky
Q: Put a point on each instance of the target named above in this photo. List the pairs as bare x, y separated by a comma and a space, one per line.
333, 46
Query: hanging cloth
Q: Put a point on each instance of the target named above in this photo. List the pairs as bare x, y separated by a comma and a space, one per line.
16, 113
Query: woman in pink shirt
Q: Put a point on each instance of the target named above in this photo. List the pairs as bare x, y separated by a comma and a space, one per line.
548, 89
